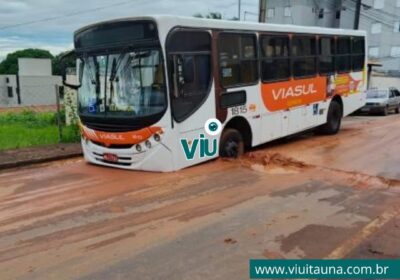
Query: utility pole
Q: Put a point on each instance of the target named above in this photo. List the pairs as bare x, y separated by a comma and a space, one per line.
239, 9
261, 10
357, 14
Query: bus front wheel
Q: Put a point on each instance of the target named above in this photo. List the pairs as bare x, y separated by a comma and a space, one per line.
231, 144
334, 119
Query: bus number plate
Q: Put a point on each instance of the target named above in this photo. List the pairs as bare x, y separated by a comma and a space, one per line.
110, 157
239, 110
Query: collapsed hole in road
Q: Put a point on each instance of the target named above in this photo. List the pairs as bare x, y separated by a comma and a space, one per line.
272, 162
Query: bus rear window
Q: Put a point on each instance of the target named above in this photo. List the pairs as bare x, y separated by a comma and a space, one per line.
275, 60
343, 57
358, 53
304, 56
237, 59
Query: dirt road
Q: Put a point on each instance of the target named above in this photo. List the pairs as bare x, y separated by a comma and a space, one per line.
304, 197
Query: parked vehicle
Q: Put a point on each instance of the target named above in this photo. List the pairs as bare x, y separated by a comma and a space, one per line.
382, 101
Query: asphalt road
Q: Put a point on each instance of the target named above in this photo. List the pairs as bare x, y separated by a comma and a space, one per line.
302, 197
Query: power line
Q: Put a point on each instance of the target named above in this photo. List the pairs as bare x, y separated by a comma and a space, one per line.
65, 15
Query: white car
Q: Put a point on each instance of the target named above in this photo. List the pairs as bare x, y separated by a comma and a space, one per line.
382, 101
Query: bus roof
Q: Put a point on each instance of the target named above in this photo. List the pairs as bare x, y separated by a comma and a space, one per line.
168, 22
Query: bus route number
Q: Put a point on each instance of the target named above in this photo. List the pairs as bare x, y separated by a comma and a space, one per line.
239, 110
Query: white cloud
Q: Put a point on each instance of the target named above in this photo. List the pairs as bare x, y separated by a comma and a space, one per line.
14, 43
56, 34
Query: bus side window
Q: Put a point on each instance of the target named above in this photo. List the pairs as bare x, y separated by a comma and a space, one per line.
326, 55
343, 55
275, 60
189, 70
358, 53
304, 56
237, 59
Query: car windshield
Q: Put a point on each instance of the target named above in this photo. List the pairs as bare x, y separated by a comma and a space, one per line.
373, 94
122, 84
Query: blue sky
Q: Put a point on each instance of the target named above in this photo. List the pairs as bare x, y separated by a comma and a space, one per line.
26, 23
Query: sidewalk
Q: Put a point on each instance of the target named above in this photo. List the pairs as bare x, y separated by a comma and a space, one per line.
26, 156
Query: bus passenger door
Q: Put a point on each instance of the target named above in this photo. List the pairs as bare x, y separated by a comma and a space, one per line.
192, 104
294, 120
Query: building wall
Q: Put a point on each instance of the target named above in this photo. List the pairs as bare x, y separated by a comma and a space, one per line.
7, 81
36, 90
382, 82
34, 67
37, 86
380, 18
303, 12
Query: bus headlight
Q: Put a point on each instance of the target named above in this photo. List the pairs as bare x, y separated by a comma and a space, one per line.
148, 144
138, 148
157, 137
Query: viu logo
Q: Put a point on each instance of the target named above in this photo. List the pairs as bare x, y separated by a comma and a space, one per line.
205, 147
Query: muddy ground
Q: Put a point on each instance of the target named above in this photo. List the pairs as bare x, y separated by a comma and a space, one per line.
303, 197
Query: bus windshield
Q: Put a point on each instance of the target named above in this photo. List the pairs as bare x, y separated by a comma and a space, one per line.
125, 84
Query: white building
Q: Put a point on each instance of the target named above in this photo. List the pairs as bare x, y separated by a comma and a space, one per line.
380, 18
33, 86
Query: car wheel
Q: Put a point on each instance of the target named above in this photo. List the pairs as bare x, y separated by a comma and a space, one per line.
231, 144
398, 109
385, 111
334, 120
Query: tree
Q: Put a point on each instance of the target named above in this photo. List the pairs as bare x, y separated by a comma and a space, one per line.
70, 62
10, 64
210, 15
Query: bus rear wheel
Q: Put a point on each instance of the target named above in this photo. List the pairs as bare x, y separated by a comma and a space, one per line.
231, 144
334, 120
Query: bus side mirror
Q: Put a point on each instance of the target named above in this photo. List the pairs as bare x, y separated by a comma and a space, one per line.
68, 62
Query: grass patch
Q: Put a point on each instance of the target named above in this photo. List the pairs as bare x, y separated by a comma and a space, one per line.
26, 129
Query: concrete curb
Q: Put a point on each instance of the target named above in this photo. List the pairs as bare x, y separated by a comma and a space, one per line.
36, 155
9, 165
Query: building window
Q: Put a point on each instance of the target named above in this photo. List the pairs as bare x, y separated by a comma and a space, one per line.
7, 80
189, 65
343, 54
304, 58
373, 52
395, 52
396, 26
376, 28
275, 60
287, 11
321, 13
270, 13
358, 53
326, 55
10, 92
237, 59
338, 12
379, 4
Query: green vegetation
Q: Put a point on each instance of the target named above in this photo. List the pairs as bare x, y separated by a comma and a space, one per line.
28, 128
10, 64
213, 15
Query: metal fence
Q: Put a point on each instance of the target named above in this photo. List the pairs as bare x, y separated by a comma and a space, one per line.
49, 119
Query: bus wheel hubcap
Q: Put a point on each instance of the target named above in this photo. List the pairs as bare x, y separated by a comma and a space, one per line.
231, 148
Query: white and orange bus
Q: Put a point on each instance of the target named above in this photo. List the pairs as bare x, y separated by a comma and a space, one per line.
149, 86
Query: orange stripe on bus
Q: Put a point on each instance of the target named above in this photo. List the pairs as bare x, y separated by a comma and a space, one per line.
131, 137
284, 95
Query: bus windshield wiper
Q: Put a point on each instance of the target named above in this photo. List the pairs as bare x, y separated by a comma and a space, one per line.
115, 66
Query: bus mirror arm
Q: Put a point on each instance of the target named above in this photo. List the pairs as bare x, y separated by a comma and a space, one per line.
64, 59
